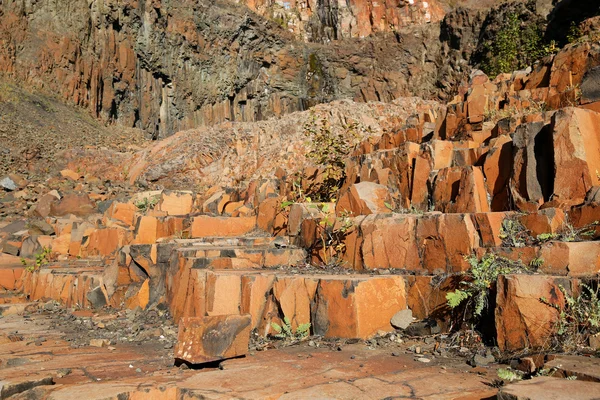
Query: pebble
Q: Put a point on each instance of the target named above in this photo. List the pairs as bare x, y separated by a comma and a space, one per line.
423, 360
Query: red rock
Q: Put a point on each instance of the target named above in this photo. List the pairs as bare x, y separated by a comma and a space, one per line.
69, 173
389, 241
460, 189
205, 226
365, 198
546, 388
294, 296
523, 321
357, 307
576, 138
76, 204
43, 205
548, 220
207, 339
489, 227
497, 168
176, 203
571, 258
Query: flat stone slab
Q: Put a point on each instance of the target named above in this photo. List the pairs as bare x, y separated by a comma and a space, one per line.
584, 368
546, 388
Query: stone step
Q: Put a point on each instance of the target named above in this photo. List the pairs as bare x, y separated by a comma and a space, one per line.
206, 226
347, 306
582, 368
242, 257
16, 308
69, 285
11, 297
546, 388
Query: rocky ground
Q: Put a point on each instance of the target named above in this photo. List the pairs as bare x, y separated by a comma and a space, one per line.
270, 246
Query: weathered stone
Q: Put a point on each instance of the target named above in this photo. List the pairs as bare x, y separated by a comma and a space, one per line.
76, 204
576, 143
460, 189
215, 338
357, 307
523, 321
402, 319
365, 198
205, 226
546, 388
389, 242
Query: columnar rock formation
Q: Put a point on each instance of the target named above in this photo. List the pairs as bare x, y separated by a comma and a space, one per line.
164, 67
323, 21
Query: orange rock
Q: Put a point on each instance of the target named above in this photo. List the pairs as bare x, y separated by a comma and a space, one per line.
441, 154
271, 217
431, 244
460, 240
144, 294
365, 198
223, 292
255, 290
426, 296
105, 242
69, 173
489, 227
548, 220
522, 320
205, 226
124, 212
532, 166
497, 168
571, 258
576, 138
294, 296
460, 189
357, 307
207, 339
176, 203
43, 205
76, 204
389, 242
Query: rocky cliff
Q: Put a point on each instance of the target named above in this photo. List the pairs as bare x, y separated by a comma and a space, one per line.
326, 20
166, 66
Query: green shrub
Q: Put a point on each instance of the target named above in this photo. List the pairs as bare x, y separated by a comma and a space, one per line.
479, 281
516, 45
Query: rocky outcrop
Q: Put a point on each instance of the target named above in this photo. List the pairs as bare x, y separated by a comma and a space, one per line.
323, 21
166, 67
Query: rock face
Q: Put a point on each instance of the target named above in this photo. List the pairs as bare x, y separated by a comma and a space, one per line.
323, 21
165, 66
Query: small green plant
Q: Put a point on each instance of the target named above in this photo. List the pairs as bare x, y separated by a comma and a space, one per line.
147, 203
332, 232
285, 331
575, 33
41, 259
513, 233
517, 44
479, 281
578, 319
329, 149
508, 374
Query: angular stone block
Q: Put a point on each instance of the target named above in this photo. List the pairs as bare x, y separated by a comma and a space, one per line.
206, 339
